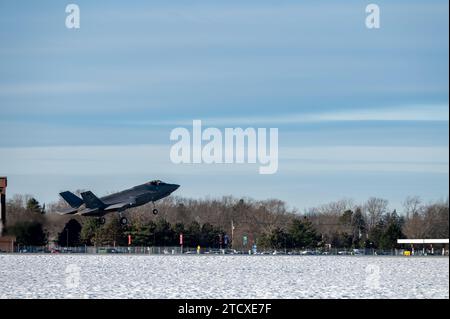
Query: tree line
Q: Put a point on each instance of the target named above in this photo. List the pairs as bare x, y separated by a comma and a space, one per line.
269, 224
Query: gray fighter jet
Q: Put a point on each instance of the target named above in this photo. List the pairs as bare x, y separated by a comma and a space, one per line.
91, 205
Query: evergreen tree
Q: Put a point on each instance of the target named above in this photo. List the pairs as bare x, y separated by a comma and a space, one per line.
34, 206
386, 232
264, 241
142, 234
70, 235
112, 234
303, 234
89, 231
279, 239
358, 226
376, 233
164, 233
193, 235
342, 240
392, 231
210, 236
29, 233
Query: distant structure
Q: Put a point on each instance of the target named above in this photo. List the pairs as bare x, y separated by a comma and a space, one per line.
3, 184
443, 243
6, 242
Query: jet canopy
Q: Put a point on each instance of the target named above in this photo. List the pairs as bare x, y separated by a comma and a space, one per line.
155, 182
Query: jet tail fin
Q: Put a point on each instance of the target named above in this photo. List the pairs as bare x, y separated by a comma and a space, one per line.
91, 200
73, 200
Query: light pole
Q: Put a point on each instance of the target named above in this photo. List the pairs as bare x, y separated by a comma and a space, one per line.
232, 234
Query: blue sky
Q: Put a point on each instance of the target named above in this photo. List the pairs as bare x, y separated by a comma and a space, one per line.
360, 112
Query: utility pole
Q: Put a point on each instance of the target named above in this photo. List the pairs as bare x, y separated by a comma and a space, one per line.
232, 234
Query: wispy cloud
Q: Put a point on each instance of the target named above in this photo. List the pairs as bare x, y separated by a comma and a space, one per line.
398, 113
149, 159
38, 88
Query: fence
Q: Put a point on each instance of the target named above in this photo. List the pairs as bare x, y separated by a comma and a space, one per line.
177, 250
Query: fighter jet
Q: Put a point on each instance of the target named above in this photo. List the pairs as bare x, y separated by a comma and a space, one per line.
91, 205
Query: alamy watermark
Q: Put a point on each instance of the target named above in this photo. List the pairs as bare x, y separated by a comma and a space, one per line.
373, 276
73, 17
230, 146
72, 276
373, 17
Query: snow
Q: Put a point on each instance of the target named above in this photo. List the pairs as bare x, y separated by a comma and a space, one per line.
178, 276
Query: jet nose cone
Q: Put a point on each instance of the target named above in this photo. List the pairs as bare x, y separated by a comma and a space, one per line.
174, 187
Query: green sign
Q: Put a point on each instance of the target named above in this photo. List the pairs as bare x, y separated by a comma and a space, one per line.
244, 240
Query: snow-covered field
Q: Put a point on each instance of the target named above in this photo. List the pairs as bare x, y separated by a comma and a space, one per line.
162, 276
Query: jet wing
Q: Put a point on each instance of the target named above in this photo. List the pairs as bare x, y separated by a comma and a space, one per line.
67, 211
110, 208
118, 206
89, 212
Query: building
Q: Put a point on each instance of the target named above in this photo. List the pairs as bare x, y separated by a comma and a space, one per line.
3, 184
6, 242
426, 246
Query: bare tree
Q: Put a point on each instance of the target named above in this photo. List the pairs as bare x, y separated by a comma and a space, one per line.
414, 222
414, 226
412, 205
436, 220
327, 218
374, 209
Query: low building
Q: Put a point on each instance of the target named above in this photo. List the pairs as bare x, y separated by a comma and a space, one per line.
426, 246
7, 244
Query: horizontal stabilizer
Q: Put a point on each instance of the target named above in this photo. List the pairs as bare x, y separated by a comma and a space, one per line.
92, 201
67, 211
71, 199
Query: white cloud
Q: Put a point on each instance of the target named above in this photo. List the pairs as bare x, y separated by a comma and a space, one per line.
151, 159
